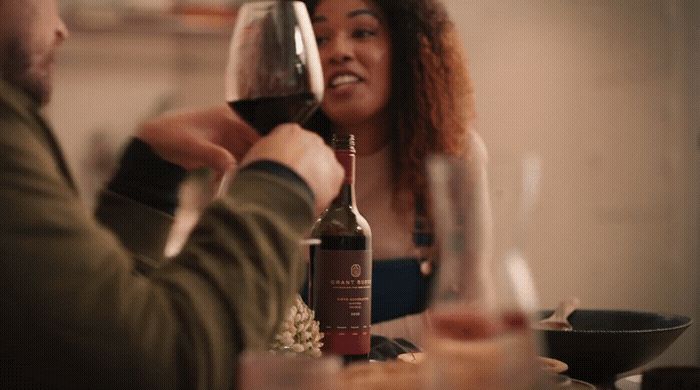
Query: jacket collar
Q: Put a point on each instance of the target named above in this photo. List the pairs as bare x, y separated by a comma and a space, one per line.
29, 110
18, 100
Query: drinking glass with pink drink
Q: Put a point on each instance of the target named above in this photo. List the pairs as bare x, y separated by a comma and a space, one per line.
479, 335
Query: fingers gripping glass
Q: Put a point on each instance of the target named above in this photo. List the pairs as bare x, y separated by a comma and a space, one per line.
274, 72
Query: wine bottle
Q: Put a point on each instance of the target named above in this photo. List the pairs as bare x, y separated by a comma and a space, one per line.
341, 267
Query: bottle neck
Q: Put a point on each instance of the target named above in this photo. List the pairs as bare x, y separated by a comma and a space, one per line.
346, 197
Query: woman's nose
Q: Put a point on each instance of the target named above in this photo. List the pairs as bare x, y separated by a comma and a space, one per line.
341, 50
61, 31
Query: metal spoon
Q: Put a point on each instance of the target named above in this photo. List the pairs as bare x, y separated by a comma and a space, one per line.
558, 319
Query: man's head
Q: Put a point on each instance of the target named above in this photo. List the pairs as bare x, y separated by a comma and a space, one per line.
30, 33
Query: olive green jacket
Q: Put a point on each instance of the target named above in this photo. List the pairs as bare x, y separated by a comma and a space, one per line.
76, 313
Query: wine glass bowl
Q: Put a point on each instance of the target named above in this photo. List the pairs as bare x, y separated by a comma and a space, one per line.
273, 75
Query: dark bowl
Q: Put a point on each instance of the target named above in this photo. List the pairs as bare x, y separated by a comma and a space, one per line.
605, 343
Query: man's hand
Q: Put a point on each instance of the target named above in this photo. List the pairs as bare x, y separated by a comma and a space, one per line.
306, 154
215, 138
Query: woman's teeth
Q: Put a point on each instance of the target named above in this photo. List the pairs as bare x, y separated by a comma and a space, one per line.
344, 79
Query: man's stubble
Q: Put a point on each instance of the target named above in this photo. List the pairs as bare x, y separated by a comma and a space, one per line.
16, 69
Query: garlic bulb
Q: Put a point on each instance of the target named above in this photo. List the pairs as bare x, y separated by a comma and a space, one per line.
299, 332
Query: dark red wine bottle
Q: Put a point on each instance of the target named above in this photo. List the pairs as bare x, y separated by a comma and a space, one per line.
265, 113
341, 268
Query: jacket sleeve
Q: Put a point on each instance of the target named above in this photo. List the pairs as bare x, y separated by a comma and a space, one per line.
81, 315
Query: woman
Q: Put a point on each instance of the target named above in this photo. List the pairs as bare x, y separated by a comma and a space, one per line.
396, 79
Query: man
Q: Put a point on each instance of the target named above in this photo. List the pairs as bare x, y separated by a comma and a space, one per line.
77, 309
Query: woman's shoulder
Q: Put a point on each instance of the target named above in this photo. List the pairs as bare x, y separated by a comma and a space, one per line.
477, 148
475, 152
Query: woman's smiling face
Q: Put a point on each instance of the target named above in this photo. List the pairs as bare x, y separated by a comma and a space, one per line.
355, 47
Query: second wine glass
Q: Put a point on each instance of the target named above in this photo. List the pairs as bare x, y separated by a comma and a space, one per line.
274, 72
479, 334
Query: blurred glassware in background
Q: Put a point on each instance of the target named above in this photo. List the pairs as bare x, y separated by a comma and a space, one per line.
150, 5
268, 371
160, 16
144, 5
480, 334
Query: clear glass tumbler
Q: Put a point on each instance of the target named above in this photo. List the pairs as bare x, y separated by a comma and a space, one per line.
268, 371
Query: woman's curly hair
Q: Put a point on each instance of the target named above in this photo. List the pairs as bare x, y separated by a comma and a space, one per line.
431, 99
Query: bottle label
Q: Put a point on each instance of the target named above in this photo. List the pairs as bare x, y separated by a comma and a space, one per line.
343, 281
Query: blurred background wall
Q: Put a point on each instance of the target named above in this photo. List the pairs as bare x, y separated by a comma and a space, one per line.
605, 92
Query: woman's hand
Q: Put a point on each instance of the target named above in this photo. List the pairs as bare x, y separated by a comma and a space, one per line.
214, 137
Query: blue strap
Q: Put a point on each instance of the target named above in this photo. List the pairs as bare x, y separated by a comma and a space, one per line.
398, 289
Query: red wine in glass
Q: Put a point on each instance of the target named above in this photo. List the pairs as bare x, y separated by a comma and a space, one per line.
274, 70
265, 113
471, 348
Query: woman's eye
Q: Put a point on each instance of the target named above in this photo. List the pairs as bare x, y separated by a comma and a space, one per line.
363, 33
320, 40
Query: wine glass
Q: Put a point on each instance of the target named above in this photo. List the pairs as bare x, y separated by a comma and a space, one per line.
262, 370
274, 72
479, 335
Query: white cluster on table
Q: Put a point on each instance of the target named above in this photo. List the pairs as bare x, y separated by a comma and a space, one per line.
299, 332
